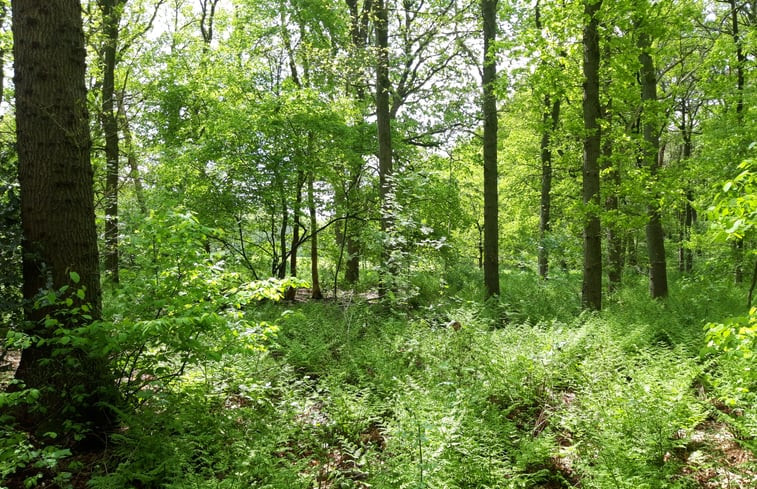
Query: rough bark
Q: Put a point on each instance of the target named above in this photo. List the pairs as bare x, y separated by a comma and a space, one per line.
658, 280
591, 297
489, 109
57, 211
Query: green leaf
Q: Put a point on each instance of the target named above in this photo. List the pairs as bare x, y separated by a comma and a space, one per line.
74, 277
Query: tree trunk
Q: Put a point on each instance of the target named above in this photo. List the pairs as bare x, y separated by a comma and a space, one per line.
3, 13
685, 255
131, 157
316, 285
612, 205
489, 109
111, 11
550, 122
383, 122
740, 62
658, 280
291, 291
591, 297
57, 211
282, 266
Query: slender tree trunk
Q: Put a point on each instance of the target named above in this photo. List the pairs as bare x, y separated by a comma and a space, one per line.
658, 280
592, 276
480, 245
131, 157
111, 11
489, 109
383, 122
612, 205
291, 291
207, 12
57, 211
316, 284
3, 13
685, 254
357, 87
550, 123
282, 268
740, 62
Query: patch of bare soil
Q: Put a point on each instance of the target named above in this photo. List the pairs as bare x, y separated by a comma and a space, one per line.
715, 460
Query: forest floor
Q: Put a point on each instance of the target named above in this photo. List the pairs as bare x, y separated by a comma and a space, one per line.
442, 393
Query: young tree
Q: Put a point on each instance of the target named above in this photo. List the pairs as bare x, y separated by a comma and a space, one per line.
489, 108
57, 211
592, 281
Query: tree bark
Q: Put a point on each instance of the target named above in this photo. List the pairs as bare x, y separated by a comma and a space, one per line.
131, 157
111, 12
3, 13
291, 291
383, 122
57, 211
550, 123
282, 265
740, 62
315, 285
658, 280
615, 260
489, 109
591, 297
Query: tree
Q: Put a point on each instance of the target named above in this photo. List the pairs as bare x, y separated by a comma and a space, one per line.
58, 220
592, 282
111, 12
489, 108
383, 123
658, 281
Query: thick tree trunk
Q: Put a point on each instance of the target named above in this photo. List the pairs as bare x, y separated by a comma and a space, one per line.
591, 297
658, 280
550, 123
489, 109
316, 284
57, 210
383, 122
111, 11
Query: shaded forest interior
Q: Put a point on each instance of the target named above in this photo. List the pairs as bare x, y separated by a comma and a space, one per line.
378, 244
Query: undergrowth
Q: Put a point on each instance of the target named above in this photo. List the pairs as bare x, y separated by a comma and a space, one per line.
453, 394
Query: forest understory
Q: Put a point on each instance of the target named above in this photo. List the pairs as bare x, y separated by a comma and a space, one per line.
447, 392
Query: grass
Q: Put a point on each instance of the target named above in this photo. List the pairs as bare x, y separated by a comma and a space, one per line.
525, 393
